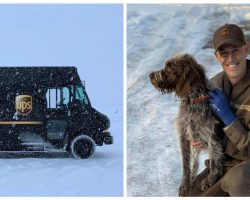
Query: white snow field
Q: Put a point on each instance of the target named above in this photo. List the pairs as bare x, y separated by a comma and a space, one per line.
156, 33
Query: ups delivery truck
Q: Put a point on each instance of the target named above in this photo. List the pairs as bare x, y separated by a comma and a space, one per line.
48, 109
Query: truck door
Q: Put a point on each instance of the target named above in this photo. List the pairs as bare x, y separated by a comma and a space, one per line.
57, 115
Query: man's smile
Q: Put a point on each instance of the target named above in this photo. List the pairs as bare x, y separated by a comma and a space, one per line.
233, 66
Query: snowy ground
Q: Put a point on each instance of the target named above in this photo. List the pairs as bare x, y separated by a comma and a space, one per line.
155, 33
57, 174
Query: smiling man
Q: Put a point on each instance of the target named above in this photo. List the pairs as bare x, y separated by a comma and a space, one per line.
231, 104
231, 51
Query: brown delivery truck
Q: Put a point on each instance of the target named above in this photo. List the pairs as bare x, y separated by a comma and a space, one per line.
48, 109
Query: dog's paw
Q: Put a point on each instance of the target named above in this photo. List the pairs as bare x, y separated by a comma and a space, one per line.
208, 182
184, 190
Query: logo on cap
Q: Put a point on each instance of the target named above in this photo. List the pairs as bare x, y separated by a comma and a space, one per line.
224, 32
24, 104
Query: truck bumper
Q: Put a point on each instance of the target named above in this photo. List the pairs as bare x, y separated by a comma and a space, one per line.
108, 139
103, 138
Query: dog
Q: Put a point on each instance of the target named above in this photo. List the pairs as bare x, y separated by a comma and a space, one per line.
195, 121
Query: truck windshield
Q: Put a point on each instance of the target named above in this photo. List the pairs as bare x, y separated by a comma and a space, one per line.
81, 95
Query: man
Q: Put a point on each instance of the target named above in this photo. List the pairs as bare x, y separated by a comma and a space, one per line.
232, 107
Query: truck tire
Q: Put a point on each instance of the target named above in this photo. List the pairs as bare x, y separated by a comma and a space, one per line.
82, 147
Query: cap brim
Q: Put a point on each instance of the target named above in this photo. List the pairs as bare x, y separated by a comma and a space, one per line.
236, 43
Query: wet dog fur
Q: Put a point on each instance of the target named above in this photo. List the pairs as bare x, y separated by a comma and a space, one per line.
195, 121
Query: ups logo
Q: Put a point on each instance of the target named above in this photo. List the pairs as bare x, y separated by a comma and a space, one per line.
224, 32
24, 104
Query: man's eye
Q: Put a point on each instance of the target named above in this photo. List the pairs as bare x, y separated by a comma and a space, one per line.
236, 51
223, 54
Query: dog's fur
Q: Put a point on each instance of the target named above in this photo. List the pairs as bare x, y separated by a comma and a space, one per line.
195, 121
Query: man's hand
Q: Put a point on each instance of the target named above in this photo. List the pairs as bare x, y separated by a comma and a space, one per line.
219, 104
196, 144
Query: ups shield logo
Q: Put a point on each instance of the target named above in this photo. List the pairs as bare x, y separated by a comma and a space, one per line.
224, 32
24, 104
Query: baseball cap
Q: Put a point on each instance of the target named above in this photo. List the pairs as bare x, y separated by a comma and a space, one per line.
228, 34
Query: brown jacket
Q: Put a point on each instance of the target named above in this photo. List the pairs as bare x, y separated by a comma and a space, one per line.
237, 140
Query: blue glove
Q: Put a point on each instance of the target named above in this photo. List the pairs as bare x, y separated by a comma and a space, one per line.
220, 106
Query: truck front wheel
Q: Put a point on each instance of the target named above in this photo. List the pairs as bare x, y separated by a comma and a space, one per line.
82, 147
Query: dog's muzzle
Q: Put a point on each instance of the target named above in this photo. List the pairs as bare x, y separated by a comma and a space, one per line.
156, 76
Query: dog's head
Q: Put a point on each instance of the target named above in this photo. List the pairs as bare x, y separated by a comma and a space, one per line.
181, 74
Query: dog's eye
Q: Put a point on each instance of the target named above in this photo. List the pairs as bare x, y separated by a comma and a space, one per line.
168, 69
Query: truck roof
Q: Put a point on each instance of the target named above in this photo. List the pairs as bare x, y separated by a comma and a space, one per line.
38, 76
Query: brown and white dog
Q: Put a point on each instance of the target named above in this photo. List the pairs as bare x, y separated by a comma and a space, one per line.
195, 120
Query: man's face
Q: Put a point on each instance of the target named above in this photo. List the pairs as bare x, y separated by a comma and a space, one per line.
233, 61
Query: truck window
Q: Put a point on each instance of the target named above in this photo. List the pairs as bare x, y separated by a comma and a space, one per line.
57, 97
81, 95
66, 96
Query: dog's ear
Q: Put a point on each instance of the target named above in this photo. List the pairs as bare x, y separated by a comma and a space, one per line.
198, 79
183, 87
191, 75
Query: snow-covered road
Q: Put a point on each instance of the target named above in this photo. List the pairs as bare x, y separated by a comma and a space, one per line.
57, 174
